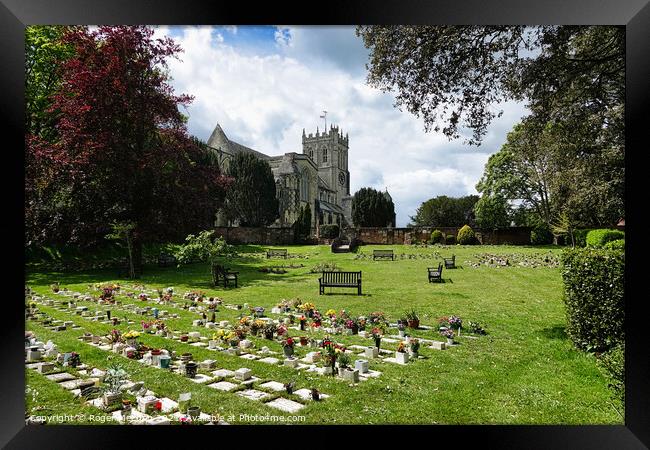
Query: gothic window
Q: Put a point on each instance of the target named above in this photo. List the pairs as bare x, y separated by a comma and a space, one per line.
311, 154
329, 218
304, 186
324, 155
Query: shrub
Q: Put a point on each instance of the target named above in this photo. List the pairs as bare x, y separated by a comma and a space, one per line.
613, 362
541, 235
593, 293
618, 244
598, 238
450, 239
580, 237
466, 236
329, 231
436, 237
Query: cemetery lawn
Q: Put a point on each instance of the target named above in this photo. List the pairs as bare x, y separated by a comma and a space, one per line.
524, 371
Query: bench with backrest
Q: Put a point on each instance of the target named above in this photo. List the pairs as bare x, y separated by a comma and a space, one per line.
282, 252
450, 263
435, 273
340, 279
223, 273
383, 254
166, 260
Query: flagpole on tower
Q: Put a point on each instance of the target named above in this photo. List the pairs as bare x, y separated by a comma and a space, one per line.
324, 116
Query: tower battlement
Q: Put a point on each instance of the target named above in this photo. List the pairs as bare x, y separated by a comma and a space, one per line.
334, 134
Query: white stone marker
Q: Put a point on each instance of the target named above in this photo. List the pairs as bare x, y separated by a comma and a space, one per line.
243, 374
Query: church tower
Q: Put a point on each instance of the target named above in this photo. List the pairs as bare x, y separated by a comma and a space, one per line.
329, 151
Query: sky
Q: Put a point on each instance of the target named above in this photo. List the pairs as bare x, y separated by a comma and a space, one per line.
264, 84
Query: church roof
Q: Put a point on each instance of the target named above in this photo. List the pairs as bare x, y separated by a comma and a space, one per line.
322, 183
330, 207
219, 140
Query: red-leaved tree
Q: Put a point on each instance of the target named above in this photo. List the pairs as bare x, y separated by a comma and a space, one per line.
122, 152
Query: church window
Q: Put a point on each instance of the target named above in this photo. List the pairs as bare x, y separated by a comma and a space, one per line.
329, 218
304, 186
324, 155
311, 154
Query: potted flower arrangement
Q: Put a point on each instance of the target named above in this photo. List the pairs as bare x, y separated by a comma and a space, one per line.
131, 336
376, 335
282, 330
184, 337
352, 325
317, 319
361, 322
256, 326
55, 287
449, 334
146, 326
126, 409
292, 318
114, 379
331, 353
114, 337
269, 329
287, 346
400, 354
190, 369
74, 360
476, 328
455, 323
343, 360
414, 345
302, 320
412, 319
304, 341
258, 311
331, 313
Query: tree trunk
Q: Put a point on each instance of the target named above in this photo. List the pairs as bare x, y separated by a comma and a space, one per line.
136, 256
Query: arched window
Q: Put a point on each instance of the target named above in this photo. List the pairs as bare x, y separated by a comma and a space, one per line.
324, 155
311, 154
304, 186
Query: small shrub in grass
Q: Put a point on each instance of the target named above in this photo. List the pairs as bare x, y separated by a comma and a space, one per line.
436, 237
613, 362
598, 238
329, 231
541, 235
618, 244
466, 236
593, 294
450, 239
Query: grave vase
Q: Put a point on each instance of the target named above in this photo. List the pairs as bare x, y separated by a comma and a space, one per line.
288, 351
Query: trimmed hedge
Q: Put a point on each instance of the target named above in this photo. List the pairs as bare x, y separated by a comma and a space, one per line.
450, 239
613, 363
593, 295
329, 231
580, 237
541, 235
618, 244
436, 237
598, 238
466, 236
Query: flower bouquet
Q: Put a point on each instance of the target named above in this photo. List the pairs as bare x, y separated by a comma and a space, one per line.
449, 334
288, 346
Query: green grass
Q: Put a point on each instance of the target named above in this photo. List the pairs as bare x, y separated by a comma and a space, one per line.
525, 371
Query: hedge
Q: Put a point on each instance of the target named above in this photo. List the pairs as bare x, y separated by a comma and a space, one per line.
598, 238
580, 237
329, 231
541, 235
618, 244
450, 239
593, 295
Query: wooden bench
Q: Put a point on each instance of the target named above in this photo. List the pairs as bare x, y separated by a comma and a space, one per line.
383, 254
221, 272
279, 252
450, 263
166, 260
340, 279
435, 274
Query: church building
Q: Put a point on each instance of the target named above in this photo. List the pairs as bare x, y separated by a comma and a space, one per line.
318, 177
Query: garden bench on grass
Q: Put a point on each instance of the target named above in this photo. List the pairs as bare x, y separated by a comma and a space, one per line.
282, 252
340, 279
435, 274
219, 271
166, 260
450, 263
383, 254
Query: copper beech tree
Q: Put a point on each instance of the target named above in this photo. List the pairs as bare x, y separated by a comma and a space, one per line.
121, 151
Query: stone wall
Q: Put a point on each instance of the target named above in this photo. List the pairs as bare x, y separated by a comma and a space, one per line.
391, 236
257, 235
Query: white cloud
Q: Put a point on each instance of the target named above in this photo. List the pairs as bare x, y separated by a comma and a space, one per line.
264, 100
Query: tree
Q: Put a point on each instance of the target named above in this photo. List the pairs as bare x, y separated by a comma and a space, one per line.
371, 208
303, 224
492, 212
443, 211
124, 231
251, 199
121, 151
456, 74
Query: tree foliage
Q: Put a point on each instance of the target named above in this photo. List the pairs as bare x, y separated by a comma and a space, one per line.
204, 247
492, 212
251, 199
443, 211
120, 151
371, 208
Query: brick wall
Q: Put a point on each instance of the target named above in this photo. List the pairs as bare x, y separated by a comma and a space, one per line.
257, 235
388, 236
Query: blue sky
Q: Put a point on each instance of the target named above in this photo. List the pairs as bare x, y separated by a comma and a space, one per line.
264, 84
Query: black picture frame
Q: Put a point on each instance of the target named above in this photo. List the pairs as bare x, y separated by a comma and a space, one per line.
16, 14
